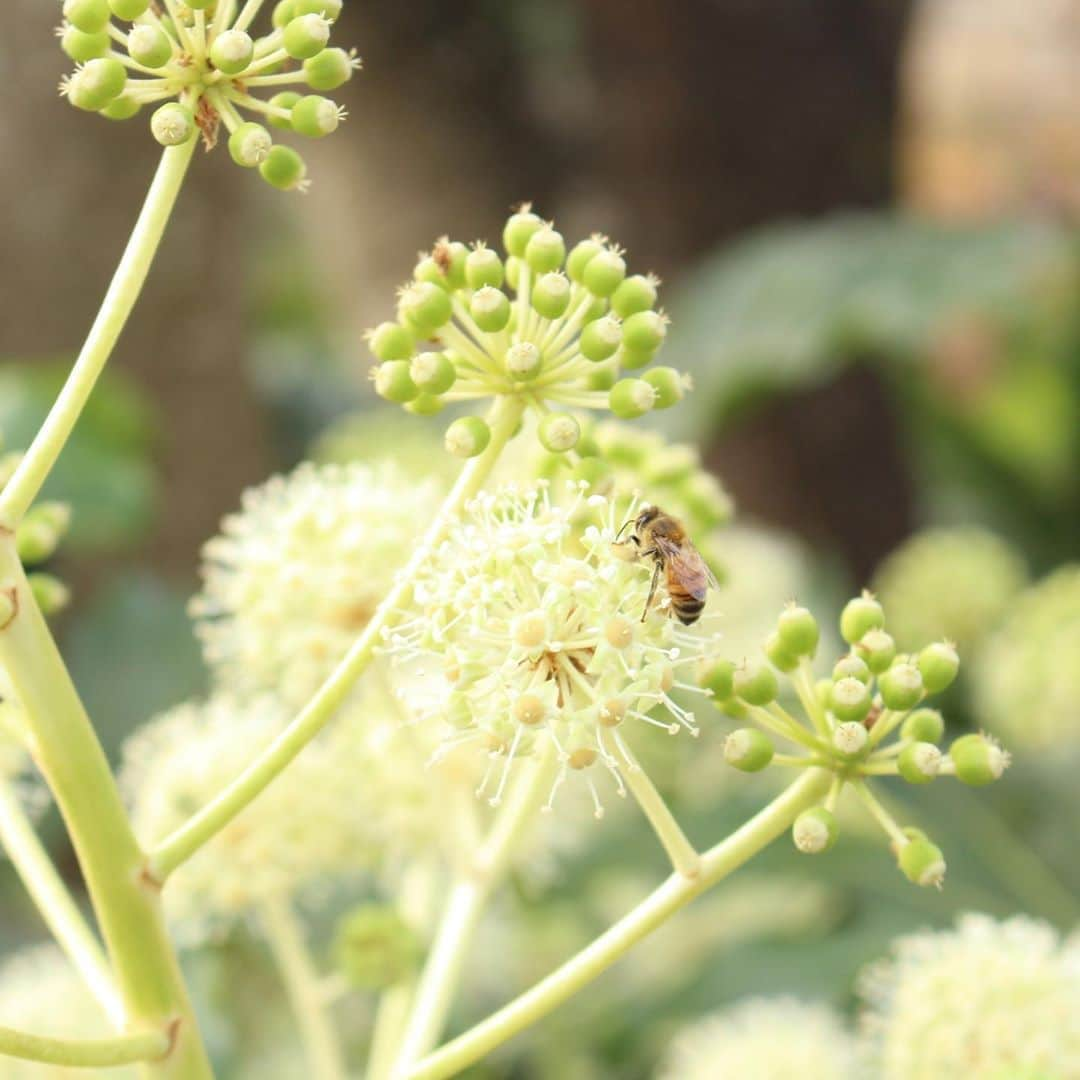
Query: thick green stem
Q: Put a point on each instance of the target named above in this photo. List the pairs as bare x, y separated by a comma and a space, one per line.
127, 904
286, 938
181, 845
84, 1053
127, 282
55, 904
465, 904
656, 909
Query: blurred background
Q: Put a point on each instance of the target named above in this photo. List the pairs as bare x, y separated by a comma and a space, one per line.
865, 216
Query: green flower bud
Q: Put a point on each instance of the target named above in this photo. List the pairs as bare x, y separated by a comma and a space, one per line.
80, 46
748, 750
559, 432
483, 267
89, 16
433, 372
425, 308
901, 687
519, 230
938, 665
779, 656
375, 948
523, 360
283, 101
36, 539
149, 45
798, 629
919, 762
814, 831
490, 308
602, 376
448, 257
391, 341
545, 250
849, 699
978, 760
851, 667
595, 473
284, 13
129, 10
232, 51
755, 682
315, 117
644, 332
467, 436
305, 36
50, 593
878, 649
330, 8
97, 83
630, 398
600, 339
667, 383
579, 257
634, 359
393, 381
849, 738
719, 679
284, 169
922, 862
551, 295
123, 107
425, 405
923, 725
328, 69
604, 273
173, 124
249, 144
860, 615
637, 293
513, 271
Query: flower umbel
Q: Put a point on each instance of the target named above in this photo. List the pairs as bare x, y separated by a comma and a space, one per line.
202, 61
535, 633
570, 324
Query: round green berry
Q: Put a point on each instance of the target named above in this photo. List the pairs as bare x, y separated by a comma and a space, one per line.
755, 682
483, 267
89, 16
123, 107
748, 749
545, 250
391, 341
919, 762
922, 862
860, 615
425, 307
778, 654
129, 10
328, 69
433, 372
668, 384
305, 36
634, 295
978, 760
284, 169
467, 436
938, 665
878, 649
814, 831
604, 273
644, 332
173, 124
394, 382
630, 398
901, 687
523, 360
551, 295
849, 699
849, 738
518, 230
490, 308
80, 46
149, 45
330, 8
798, 629
97, 83
600, 339
559, 432
284, 13
283, 104
579, 257
923, 725
50, 593
232, 51
851, 667
425, 405
249, 145
315, 117
719, 679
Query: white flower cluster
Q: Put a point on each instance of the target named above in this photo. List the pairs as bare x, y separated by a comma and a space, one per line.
535, 633
295, 576
41, 993
765, 1039
984, 1001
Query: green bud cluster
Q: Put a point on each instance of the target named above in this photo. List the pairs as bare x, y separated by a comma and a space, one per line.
866, 719
558, 325
198, 67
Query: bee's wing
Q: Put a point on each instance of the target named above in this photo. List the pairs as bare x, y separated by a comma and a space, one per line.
685, 562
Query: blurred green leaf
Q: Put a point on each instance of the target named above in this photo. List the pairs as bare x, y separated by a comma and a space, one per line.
105, 471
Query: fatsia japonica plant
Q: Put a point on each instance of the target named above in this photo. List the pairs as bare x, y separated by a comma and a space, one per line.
409, 671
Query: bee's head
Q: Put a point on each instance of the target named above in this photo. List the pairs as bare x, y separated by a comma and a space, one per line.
650, 513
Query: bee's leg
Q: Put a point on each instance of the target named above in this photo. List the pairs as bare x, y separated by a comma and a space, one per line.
652, 591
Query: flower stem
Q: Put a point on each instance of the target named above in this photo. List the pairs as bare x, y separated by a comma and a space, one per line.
84, 1053
656, 909
213, 817
55, 904
464, 906
286, 938
127, 904
127, 282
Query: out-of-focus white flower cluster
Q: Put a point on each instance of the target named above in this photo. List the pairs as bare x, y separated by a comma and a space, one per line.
295, 576
984, 1001
41, 993
536, 633
951, 583
1027, 679
765, 1039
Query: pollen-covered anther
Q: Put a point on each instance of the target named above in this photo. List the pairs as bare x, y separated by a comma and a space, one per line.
619, 633
529, 710
530, 631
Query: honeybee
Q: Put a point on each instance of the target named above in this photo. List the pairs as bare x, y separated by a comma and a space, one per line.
663, 539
